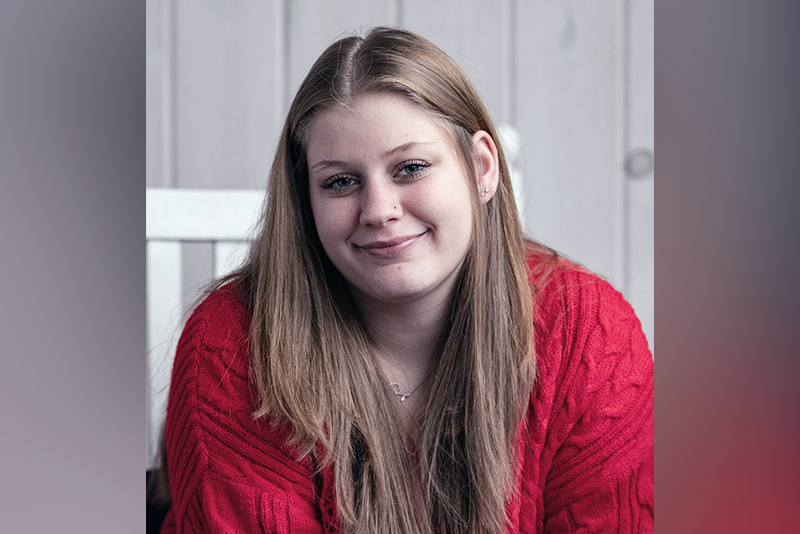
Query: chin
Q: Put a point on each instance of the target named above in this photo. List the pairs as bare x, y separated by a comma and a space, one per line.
392, 293
397, 296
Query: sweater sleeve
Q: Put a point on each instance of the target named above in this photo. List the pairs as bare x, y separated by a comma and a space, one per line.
228, 472
599, 448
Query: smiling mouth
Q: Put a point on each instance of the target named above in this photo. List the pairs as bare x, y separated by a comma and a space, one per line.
391, 247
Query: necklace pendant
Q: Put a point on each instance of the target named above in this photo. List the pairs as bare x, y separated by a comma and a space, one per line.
396, 390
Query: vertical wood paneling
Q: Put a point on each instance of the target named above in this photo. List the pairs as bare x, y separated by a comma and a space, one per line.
508, 58
156, 92
153, 94
226, 129
280, 53
314, 25
641, 189
394, 17
471, 33
568, 82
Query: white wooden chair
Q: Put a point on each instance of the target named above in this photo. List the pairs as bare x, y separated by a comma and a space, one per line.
225, 218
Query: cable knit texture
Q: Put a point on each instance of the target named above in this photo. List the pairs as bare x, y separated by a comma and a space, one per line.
586, 444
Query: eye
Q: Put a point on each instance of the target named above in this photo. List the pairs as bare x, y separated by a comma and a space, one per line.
339, 183
413, 169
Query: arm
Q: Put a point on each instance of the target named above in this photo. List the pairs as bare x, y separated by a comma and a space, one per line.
228, 473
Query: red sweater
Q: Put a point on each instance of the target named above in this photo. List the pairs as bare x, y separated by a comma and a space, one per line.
587, 442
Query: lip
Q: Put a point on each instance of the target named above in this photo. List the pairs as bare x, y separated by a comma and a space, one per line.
390, 248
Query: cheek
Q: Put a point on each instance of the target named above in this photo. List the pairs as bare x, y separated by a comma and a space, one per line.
461, 224
458, 207
331, 224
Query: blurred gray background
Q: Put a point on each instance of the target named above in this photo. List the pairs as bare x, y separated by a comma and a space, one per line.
570, 83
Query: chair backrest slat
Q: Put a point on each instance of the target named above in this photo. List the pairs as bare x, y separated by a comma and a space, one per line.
164, 290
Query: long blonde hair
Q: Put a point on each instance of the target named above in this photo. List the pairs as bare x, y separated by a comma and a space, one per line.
311, 360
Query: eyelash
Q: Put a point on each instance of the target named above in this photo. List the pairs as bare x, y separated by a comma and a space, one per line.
331, 183
423, 167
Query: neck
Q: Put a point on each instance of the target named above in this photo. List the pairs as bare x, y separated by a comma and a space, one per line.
404, 336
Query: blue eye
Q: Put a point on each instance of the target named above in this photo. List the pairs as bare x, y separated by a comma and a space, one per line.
413, 169
339, 184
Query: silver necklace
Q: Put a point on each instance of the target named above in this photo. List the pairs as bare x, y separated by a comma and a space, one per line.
403, 396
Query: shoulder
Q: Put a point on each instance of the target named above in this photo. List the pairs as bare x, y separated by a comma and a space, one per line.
212, 362
213, 342
581, 306
220, 320
592, 357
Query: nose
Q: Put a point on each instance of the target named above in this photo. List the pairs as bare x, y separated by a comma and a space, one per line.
380, 203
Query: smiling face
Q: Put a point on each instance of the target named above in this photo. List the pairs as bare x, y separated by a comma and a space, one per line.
390, 199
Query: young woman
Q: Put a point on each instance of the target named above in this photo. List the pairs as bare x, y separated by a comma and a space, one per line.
395, 357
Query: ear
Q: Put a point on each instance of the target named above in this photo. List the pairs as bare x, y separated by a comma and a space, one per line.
487, 165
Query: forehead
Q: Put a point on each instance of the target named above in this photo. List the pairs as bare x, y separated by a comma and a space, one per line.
379, 122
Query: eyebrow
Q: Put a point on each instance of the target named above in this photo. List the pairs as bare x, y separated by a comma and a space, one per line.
409, 146
397, 150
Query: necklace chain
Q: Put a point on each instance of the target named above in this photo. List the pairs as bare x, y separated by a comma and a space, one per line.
403, 396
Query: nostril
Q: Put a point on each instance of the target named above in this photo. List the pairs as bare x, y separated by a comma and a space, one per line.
379, 205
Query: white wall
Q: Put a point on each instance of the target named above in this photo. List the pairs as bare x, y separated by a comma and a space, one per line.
575, 79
